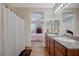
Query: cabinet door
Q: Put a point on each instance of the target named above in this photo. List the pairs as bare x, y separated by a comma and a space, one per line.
46, 40
57, 52
48, 44
60, 47
51, 45
72, 52
51, 49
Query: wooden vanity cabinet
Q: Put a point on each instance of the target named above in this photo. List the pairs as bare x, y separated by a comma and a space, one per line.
51, 47
59, 49
72, 52
57, 52
46, 40
47, 43
54, 48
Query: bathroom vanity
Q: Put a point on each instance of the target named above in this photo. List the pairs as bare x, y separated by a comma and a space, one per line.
60, 46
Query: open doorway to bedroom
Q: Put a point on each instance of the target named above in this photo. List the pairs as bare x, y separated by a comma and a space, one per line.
37, 28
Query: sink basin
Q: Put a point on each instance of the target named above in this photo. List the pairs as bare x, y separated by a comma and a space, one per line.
65, 39
52, 35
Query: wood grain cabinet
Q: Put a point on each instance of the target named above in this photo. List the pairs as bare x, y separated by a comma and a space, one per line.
47, 43
46, 40
57, 52
55, 48
51, 47
72, 52
59, 49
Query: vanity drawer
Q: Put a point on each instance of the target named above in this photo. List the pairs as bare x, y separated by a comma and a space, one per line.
61, 48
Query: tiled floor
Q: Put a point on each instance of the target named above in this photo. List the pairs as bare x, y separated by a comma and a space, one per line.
38, 50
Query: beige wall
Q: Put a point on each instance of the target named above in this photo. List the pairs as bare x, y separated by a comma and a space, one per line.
26, 14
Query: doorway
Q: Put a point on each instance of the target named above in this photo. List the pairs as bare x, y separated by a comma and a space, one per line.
37, 28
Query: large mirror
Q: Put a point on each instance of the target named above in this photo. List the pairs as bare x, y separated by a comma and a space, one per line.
70, 18
53, 26
68, 14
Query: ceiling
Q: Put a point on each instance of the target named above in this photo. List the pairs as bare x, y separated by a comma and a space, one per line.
73, 5
33, 5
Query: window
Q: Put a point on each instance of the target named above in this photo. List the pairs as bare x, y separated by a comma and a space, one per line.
37, 22
32, 27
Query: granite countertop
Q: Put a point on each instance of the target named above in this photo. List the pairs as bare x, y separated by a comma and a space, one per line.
66, 42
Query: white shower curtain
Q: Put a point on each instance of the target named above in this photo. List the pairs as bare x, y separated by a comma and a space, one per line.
14, 36
20, 36
1, 32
